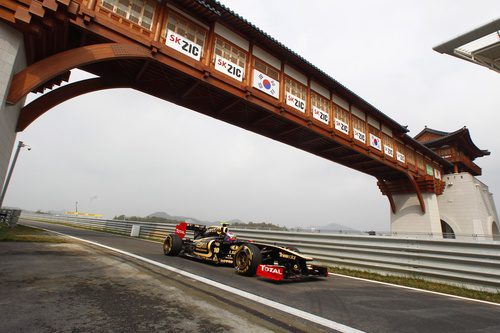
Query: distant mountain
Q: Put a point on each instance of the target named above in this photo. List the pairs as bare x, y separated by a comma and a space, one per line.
164, 215
333, 227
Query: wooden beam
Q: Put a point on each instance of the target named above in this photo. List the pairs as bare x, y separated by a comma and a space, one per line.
288, 131
385, 188
44, 70
417, 191
141, 71
226, 106
42, 104
191, 88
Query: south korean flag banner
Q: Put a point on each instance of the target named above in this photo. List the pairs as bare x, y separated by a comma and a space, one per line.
375, 142
266, 84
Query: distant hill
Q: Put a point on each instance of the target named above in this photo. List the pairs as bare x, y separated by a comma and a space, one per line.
333, 227
166, 216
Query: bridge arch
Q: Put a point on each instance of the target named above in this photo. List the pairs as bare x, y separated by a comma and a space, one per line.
495, 232
449, 227
44, 70
39, 106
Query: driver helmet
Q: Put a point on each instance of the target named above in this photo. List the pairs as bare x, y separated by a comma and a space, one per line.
229, 237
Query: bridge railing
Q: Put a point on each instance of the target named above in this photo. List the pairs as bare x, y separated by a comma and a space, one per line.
472, 264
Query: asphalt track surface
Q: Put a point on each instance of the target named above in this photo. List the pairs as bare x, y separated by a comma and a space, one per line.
363, 305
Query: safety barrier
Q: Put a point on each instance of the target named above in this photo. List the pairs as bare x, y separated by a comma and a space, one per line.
472, 264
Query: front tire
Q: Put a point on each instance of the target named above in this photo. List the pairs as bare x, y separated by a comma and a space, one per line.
172, 245
247, 259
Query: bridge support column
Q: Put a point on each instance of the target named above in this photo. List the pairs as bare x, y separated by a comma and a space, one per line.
409, 218
12, 60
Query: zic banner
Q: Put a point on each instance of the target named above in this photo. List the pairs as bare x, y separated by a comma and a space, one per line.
296, 102
400, 157
360, 136
341, 126
183, 45
388, 150
321, 115
227, 67
266, 84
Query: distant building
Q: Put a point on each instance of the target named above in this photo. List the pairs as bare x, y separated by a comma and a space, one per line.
466, 206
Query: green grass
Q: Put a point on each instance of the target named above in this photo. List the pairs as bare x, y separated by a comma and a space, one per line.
21, 233
419, 283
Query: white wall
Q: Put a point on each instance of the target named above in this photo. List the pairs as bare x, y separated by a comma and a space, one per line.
12, 60
468, 203
409, 218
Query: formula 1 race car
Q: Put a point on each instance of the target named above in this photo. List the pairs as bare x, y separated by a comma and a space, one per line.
216, 244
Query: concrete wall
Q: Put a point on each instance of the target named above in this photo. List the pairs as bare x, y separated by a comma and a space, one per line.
409, 218
468, 206
12, 60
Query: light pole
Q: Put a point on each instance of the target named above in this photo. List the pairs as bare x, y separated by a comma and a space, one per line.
4, 190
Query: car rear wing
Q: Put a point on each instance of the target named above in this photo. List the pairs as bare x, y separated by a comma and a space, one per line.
181, 228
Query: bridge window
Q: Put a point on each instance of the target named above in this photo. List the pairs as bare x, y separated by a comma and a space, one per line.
388, 145
296, 94
359, 127
420, 162
410, 157
138, 11
187, 29
320, 108
266, 69
230, 52
341, 119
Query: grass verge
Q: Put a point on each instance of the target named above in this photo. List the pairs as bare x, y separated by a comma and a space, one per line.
419, 283
21, 233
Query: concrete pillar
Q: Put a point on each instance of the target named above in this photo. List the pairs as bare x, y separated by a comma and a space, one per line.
409, 219
12, 60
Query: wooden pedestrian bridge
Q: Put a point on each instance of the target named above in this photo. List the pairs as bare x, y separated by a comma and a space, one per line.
202, 56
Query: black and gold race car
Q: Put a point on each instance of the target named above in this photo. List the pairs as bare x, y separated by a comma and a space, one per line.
216, 244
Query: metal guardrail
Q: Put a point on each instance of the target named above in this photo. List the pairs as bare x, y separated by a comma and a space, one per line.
471, 264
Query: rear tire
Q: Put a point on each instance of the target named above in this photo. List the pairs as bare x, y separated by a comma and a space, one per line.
247, 259
172, 245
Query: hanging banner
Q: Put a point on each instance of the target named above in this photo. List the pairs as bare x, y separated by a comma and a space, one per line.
183, 45
227, 67
388, 151
321, 115
429, 169
437, 174
401, 157
341, 126
296, 102
360, 136
375, 142
266, 84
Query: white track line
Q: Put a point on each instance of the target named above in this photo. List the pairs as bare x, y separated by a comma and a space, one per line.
416, 289
282, 307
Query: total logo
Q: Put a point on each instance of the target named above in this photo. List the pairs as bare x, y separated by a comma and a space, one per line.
270, 269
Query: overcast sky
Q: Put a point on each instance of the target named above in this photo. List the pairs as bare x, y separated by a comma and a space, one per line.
124, 152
